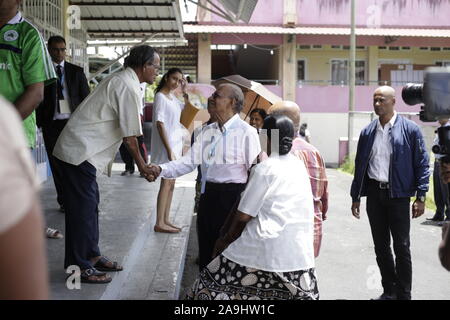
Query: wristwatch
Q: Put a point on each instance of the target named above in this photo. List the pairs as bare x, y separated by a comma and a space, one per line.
421, 198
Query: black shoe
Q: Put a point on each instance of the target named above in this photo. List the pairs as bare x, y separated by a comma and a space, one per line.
437, 217
386, 296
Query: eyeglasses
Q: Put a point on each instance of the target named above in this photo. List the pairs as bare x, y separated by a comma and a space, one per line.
215, 95
58, 49
157, 67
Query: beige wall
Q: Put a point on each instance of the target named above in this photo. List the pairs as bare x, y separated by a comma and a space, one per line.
318, 60
327, 140
204, 59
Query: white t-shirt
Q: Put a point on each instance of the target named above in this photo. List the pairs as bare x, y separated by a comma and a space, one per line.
168, 111
280, 237
18, 184
97, 127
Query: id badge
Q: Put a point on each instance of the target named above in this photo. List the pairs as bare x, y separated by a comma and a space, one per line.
64, 106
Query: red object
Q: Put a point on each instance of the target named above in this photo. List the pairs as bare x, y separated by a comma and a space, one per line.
148, 110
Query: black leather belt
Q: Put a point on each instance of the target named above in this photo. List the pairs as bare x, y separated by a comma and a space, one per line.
381, 185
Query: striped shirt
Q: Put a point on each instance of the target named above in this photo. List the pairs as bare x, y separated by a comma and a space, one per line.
24, 60
319, 184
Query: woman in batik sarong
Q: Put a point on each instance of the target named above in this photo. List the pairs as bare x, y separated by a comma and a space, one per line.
267, 252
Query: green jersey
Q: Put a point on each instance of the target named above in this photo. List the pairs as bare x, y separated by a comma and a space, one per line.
24, 60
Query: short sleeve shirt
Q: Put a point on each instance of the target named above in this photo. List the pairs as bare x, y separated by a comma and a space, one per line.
168, 111
97, 127
280, 236
24, 60
18, 184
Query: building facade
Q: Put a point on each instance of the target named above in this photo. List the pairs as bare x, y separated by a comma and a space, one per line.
300, 50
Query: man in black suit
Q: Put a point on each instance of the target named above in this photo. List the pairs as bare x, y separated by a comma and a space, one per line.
60, 101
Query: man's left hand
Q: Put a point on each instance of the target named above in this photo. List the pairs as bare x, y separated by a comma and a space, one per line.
418, 208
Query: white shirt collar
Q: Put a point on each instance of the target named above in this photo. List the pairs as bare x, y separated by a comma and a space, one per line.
59, 64
17, 18
390, 123
227, 124
133, 75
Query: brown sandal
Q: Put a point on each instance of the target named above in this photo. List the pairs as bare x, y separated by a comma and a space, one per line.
94, 276
104, 264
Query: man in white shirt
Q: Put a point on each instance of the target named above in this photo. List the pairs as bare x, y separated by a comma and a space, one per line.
225, 150
86, 148
391, 165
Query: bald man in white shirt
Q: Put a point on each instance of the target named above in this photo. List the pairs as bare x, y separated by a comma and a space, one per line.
226, 151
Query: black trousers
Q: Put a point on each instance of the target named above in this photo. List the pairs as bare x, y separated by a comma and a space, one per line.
126, 156
440, 193
214, 208
81, 198
390, 216
51, 134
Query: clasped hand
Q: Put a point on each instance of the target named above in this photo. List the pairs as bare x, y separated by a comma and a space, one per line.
151, 172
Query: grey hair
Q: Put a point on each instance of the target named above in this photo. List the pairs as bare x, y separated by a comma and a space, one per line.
139, 56
237, 95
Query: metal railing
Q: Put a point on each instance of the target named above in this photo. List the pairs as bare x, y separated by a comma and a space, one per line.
345, 83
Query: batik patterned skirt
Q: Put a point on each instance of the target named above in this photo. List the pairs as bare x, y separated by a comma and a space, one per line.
224, 279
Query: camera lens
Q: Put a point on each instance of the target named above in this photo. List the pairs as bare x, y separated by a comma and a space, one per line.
412, 93
436, 149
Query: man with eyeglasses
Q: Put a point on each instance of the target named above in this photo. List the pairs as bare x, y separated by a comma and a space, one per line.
60, 100
226, 150
86, 148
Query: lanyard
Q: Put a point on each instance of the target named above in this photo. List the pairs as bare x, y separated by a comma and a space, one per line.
211, 155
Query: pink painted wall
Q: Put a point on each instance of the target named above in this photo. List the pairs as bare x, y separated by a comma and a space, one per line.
269, 39
369, 13
335, 99
267, 12
374, 41
424, 13
278, 90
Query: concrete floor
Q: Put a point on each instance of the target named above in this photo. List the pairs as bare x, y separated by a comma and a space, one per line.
153, 262
161, 266
346, 266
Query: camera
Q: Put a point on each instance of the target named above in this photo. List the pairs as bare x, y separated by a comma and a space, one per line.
434, 93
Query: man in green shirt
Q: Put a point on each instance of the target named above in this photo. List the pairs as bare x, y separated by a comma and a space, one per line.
25, 65
25, 68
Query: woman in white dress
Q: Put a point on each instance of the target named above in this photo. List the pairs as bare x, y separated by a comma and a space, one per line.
167, 140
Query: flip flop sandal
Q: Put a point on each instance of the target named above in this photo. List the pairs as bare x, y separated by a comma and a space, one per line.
88, 273
53, 233
103, 265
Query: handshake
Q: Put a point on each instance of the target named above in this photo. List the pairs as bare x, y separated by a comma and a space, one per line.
151, 172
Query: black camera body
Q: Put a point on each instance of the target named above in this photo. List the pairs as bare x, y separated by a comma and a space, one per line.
434, 93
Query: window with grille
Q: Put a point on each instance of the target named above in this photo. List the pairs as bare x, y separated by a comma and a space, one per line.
340, 72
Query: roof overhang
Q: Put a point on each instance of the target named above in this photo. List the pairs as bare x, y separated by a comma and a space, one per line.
131, 19
437, 33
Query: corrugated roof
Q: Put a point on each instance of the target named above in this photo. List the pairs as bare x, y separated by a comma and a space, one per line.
129, 19
438, 33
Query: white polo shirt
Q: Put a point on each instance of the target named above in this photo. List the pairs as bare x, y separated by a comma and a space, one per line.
95, 130
280, 237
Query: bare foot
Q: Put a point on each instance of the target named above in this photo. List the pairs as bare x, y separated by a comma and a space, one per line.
165, 229
171, 225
